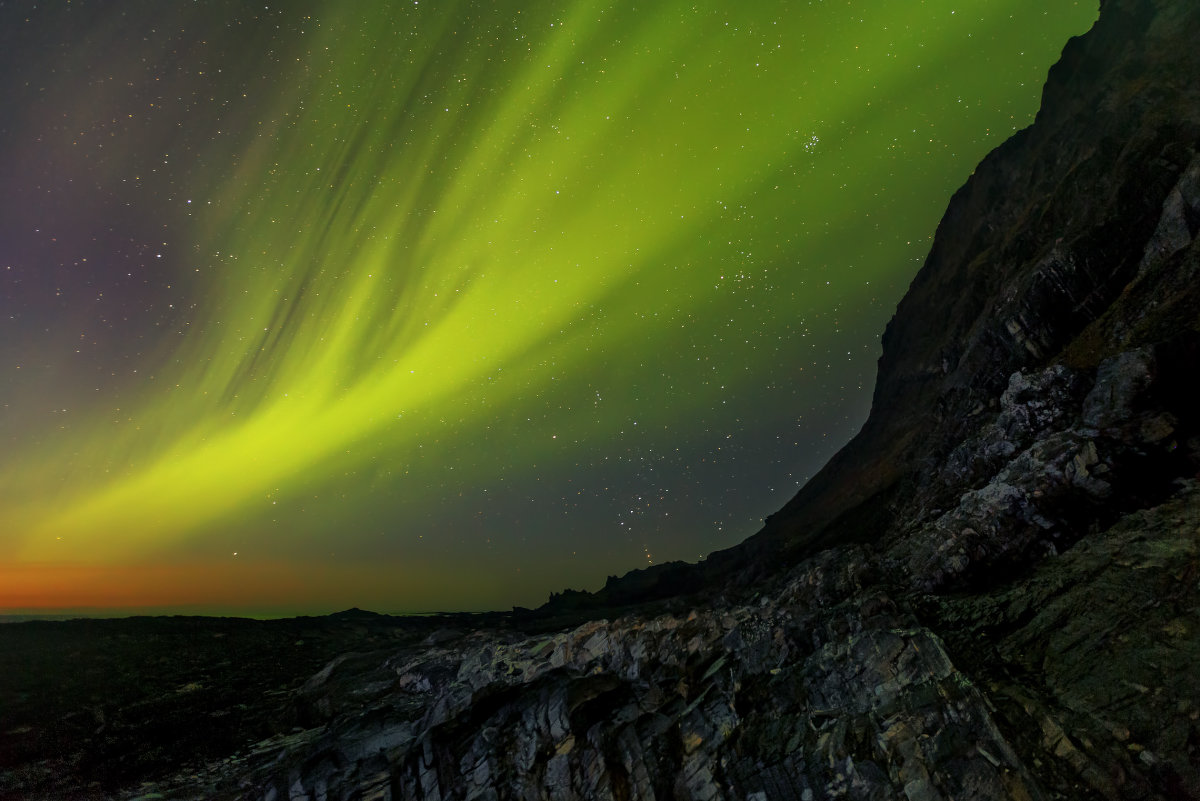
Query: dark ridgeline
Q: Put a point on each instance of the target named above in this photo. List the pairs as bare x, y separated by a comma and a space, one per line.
992, 592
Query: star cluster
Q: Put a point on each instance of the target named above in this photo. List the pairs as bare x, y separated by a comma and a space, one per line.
425, 305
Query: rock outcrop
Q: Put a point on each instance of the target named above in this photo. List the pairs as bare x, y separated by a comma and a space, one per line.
1073, 242
992, 592
848, 676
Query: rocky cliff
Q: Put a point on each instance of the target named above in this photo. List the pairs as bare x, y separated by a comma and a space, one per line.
1070, 245
992, 592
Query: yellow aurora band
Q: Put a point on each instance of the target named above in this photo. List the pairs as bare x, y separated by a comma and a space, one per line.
449, 213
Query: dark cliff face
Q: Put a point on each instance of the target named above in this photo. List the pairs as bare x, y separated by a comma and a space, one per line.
992, 592
1070, 243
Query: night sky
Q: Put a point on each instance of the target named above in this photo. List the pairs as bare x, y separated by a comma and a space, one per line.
449, 305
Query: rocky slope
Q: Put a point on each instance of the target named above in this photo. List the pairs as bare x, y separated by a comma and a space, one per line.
992, 592
1070, 244
1076, 681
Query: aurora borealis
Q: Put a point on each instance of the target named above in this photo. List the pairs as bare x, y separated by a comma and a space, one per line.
447, 305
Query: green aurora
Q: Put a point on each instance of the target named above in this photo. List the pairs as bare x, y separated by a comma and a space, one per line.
449, 305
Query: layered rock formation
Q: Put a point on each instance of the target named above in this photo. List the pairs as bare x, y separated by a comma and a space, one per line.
992, 592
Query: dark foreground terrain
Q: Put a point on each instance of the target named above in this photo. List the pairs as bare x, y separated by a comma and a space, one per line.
992, 592
93, 706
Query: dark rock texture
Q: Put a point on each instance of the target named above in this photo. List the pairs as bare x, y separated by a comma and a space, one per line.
822, 686
1076, 680
992, 592
90, 706
1071, 243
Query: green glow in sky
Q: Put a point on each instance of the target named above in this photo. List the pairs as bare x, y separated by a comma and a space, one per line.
463, 303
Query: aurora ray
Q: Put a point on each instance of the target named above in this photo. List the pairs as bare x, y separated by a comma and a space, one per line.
535, 292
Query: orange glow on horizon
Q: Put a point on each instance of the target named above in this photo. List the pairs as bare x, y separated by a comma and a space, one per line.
203, 587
